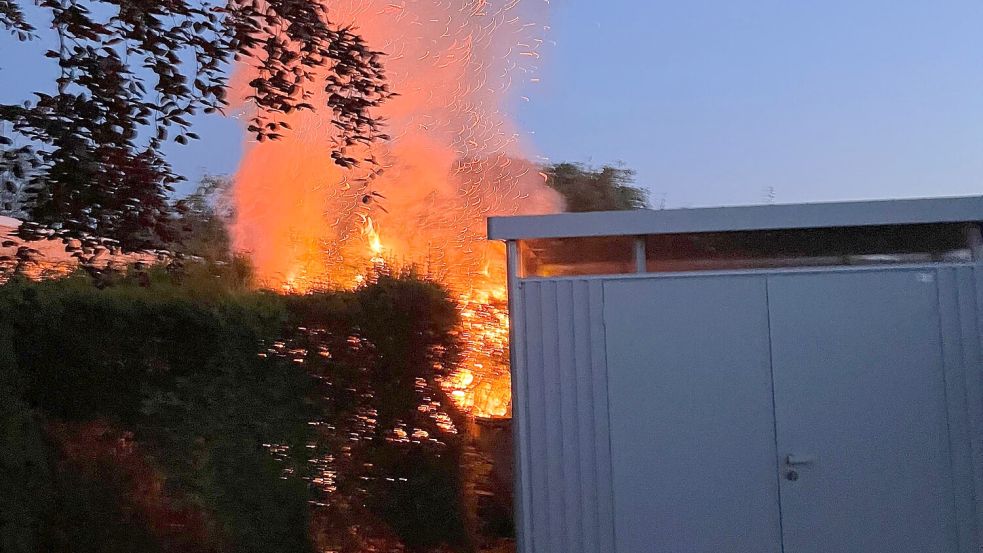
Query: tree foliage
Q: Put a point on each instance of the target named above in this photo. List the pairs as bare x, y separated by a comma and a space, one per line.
12, 19
589, 189
131, 73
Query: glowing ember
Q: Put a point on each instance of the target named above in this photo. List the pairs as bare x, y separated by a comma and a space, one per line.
455, 159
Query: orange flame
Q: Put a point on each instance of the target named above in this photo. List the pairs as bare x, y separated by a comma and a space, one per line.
455, 158
375, 242
482, 384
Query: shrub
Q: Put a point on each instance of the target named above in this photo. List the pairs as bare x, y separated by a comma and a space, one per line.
154, 401
178, 367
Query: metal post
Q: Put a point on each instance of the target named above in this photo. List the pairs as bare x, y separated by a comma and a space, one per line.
519, 410
975, 240
640, 263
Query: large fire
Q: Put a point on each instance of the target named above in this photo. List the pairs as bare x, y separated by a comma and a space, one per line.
454, 159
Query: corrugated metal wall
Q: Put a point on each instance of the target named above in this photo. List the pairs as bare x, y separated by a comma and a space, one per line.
564, 486
960, 298
562, 405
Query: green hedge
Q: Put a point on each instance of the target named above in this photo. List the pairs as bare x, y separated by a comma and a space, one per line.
177, 367
134, 412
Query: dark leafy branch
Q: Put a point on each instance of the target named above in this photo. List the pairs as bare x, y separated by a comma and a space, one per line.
133, 73
12, 19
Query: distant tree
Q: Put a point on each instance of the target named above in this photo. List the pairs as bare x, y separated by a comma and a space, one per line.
588, 189
203, 218
202, 247
131, 73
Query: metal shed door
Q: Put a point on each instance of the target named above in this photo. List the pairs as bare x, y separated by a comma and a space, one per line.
827, 386
861, 413
692, 423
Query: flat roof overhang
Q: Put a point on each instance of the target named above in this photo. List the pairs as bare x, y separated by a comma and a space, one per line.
744, 218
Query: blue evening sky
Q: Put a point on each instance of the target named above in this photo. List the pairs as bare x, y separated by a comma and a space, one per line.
717, 102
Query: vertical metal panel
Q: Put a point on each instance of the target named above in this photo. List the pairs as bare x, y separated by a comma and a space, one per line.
971, 309
566, 489
554, 417
567, 377
534, 452
602, 420
960, 445
586, 456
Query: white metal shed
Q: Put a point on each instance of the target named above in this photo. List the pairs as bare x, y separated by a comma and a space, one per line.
794, 378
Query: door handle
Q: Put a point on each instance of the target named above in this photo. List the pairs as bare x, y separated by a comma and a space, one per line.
795, 460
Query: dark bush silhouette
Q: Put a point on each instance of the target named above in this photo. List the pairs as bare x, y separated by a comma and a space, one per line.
171, 410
